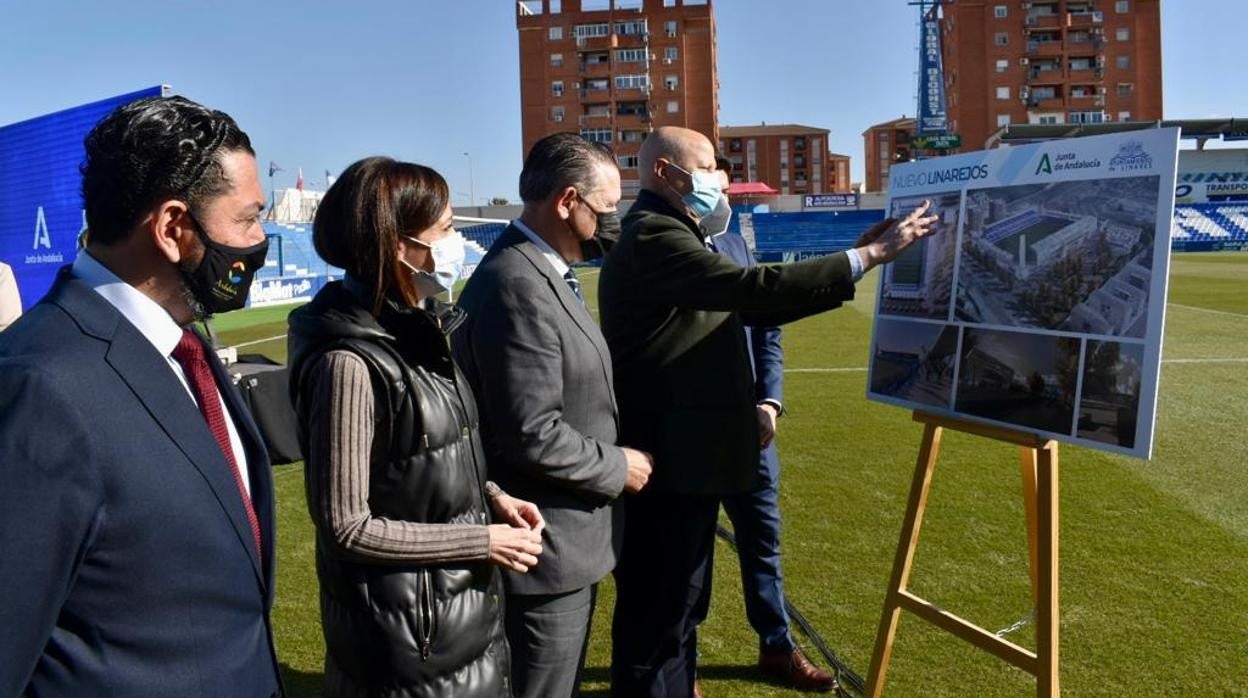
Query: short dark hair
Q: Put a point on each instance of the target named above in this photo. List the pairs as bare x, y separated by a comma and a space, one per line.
150, 150
359, 222
723, 163
559, 161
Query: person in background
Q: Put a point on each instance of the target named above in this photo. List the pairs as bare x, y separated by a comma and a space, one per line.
672, 314
755, 514
136, 511
10, 297
406, 555
542, 373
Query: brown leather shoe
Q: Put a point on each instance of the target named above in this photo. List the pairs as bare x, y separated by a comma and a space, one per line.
795, 670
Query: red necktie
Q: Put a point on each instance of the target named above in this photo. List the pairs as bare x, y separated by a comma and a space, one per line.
190, 353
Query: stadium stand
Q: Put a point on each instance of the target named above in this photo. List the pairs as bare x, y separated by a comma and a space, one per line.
291, 252
483, 234
1209, 227
809, 232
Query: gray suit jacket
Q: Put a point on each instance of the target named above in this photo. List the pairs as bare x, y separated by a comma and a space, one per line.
541, 373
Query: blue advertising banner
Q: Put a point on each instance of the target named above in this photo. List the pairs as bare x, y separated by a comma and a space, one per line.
41, 211
933, 117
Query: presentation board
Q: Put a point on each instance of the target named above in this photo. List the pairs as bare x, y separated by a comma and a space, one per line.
41, 212
1039, 302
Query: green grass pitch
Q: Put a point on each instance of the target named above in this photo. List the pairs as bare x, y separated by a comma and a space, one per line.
1154, 555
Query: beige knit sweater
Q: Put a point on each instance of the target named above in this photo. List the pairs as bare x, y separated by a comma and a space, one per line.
340, 417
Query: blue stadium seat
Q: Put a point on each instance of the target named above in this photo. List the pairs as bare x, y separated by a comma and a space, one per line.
1209, 226
809, 231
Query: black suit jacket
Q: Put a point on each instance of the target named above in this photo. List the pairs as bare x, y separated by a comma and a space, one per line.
541, 373
127, 565
672, 313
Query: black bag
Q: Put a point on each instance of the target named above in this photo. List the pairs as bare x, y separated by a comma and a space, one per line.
263, 384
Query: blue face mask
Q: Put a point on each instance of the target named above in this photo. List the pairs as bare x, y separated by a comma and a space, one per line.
705, 195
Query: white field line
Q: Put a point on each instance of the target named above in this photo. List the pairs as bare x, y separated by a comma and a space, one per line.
1226, 360
861, 369
845, 369
259, 341
1208, 310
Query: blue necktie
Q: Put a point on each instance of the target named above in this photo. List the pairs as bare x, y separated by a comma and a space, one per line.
574, 284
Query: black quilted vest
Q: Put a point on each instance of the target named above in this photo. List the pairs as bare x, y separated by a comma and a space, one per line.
393, 629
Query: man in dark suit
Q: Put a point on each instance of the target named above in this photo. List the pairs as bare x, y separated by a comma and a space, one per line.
541, 373
755, 514
672, 313
136, 512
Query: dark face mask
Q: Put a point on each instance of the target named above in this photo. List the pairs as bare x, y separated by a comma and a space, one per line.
604, 238
223, 278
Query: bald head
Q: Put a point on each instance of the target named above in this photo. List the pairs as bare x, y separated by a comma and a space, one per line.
688, 149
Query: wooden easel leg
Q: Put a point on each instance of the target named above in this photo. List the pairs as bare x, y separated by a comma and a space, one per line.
1027, 459
906, 546
1047, 620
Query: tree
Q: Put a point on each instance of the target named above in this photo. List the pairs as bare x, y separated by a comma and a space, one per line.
498, 201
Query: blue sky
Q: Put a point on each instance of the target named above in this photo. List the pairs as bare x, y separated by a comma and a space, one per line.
319, 85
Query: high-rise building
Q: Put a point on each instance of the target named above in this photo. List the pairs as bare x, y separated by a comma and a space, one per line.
789, 157
884, 145
613, 70
1049, 62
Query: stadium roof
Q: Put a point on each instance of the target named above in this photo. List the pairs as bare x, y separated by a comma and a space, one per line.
772, 130
751, 189
1230, 129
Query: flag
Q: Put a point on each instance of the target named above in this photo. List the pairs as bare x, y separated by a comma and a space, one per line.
329, 179
274, 168
299, 180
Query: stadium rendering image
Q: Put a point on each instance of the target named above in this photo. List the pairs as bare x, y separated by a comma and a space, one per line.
1082, 266
920, 281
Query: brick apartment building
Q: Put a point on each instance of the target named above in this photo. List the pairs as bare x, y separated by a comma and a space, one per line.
1049, 62
884, 145
612, 70
789, 157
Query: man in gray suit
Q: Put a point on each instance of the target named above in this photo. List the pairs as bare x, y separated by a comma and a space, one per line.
541, 371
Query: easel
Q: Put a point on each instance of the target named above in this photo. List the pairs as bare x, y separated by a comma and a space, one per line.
1039, 458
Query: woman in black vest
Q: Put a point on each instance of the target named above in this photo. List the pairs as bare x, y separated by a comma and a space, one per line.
406, 555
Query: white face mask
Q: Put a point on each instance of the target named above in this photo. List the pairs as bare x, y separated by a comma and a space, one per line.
448, 263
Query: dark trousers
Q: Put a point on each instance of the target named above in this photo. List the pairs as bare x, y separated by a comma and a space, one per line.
755, 517
549, 634
663, 583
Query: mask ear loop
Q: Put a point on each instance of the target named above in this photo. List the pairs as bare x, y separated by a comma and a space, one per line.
668, 184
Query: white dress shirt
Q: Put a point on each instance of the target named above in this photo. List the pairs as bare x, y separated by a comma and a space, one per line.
156, 325
560, 265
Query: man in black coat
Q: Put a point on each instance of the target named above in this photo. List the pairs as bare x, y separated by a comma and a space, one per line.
673, 314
